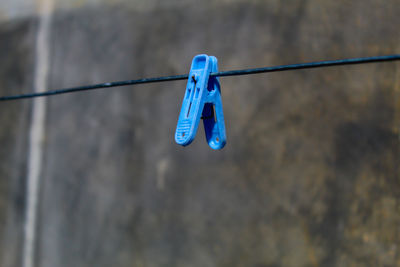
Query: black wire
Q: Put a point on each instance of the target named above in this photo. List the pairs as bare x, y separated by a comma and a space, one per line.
95, 86
309, 65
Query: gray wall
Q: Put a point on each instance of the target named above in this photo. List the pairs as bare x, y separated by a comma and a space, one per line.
310, 173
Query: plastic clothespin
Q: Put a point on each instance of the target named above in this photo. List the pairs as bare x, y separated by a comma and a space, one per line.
202, 100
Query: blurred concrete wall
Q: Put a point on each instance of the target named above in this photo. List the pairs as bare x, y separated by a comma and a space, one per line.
310, 173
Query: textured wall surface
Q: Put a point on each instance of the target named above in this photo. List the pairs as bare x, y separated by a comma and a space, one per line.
310, 173
16, 67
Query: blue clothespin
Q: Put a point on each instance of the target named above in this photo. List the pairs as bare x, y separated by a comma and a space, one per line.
202, 101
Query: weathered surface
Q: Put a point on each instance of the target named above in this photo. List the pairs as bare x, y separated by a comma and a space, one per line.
16, 66
309, 176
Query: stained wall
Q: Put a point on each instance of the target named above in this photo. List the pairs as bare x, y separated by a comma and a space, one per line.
309, 175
